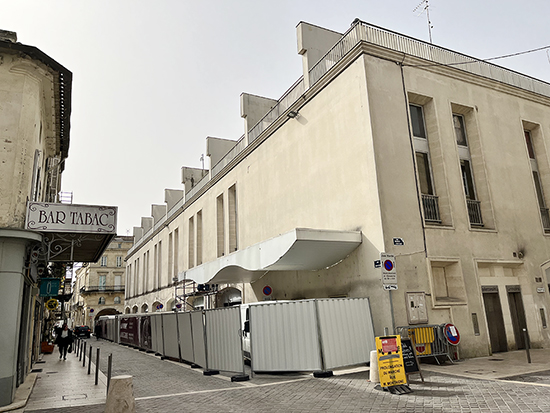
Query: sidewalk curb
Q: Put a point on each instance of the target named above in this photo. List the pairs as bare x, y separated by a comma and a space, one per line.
22, 394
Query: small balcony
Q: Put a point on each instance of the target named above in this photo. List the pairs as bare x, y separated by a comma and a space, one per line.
89, 289
474, 212
545, 219
430, 204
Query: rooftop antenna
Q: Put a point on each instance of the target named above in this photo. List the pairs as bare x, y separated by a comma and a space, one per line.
202, 160
425, 6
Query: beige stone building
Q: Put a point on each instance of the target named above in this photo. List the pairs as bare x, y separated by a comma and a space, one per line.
39, 235
35, 107
99, 287
386, 144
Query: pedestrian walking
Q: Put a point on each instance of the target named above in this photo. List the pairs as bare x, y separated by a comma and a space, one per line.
97, 331
64, 339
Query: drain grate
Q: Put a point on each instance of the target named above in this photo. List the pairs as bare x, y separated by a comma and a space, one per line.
496, 359
479, 371
75, 397
36, 370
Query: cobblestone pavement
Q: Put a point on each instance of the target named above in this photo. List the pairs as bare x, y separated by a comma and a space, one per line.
163, 386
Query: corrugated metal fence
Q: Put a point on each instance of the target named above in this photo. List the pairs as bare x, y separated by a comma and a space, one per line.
304, 335
311, 335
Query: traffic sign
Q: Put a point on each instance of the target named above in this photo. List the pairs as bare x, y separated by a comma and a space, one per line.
389, 274
389, 287
451, 334
267, 290
51, 304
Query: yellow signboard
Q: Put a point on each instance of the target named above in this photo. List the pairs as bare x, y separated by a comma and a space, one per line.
390, 361
51, 304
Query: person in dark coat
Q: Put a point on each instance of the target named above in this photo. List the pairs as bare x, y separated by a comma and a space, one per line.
97, 331
64, 338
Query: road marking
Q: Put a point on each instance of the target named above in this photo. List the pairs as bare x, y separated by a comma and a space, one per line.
249, 386
523, 382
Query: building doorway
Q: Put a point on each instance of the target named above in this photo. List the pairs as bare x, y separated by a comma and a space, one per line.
495, 320
517, 312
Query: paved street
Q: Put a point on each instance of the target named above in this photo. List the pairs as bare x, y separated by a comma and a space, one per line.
163, 386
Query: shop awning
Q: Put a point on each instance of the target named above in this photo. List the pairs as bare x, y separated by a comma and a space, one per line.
71, 232
297, 250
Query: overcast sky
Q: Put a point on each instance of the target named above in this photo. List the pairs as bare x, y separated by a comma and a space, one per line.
153, 79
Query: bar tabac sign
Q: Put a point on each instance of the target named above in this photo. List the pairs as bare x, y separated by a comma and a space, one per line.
71, 218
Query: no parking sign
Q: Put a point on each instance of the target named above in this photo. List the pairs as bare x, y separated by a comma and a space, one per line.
451, 334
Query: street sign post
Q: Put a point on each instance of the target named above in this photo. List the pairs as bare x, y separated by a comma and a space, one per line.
389, 274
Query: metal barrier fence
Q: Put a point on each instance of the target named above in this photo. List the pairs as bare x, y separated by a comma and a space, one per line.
429, 340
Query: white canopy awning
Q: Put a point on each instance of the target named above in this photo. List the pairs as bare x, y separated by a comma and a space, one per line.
299, 249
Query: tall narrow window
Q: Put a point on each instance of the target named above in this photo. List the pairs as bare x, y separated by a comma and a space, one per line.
417, 121
118, 281
176, 251
155, 267
144, 275
191, 242
199, 238
147, 269
232, 206
473, 205
429, 199
170, 256
467, 179
220, 227
529, 144
545, 216
102, 282
127, 282
424, 175
460, 130
136, 278
119, 261
103, 261
159, 283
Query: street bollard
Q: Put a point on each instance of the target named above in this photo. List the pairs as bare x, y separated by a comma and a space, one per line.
374, 376
84, 356
97, 367
109, 368
120, 397
80, 344
90, 360
526, 339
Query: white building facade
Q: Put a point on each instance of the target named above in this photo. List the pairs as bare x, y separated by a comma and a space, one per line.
387, 144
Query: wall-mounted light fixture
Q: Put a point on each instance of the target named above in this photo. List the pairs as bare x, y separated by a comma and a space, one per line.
292, 114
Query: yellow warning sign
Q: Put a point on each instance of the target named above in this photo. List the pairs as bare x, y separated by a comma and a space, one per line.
51, 304
390, 361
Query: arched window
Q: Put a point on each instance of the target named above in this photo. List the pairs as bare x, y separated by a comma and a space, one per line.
101, 300
117, 300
